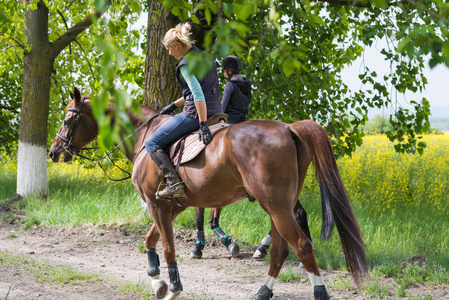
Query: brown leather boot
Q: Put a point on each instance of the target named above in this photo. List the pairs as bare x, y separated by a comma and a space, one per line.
175, 187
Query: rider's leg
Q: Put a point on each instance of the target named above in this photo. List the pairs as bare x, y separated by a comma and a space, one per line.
168, 132
175, 187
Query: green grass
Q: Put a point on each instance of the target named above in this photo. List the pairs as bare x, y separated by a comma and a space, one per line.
43, 272
290, 275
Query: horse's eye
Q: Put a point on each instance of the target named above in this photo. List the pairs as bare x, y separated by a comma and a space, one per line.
66, 123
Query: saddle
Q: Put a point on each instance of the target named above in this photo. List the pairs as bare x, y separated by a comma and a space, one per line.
189, 146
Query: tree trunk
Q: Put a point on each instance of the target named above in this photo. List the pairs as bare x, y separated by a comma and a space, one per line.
160, 82
38, 68
38, 64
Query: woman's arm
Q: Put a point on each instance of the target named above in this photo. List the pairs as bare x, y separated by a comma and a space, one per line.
179, 102
228, 90
197, 92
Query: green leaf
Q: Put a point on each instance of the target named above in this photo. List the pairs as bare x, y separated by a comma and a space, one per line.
228, 9
403, 44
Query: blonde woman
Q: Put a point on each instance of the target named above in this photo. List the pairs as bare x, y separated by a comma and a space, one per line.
200, 99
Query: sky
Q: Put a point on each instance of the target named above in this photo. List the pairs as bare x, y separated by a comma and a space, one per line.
436, 91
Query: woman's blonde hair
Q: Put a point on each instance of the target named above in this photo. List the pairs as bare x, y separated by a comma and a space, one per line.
181, 33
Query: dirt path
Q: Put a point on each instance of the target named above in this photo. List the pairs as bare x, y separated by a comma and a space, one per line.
112, 253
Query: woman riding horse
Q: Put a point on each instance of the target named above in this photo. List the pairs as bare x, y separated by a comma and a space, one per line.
200, 99
263, 158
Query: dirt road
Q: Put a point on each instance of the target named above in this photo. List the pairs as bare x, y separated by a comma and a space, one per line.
112, 253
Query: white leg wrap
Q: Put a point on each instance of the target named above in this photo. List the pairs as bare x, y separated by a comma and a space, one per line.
172, 296
155, 282
266, 241
158, 286
315, 280
269, 282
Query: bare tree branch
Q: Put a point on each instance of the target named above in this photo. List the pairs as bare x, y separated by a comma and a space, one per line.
87, 59
66, 27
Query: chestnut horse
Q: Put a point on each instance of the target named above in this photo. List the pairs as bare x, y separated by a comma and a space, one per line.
263, 158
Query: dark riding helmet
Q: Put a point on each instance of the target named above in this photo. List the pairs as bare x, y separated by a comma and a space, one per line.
232, 62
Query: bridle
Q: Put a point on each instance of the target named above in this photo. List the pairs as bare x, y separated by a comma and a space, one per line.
75, 151
68, 141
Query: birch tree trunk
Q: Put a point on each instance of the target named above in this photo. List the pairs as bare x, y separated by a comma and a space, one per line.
38, 65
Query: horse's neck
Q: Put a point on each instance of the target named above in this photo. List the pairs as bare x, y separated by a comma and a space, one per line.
132, 151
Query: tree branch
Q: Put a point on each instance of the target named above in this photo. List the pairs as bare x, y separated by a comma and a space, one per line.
363, 4
12, 108
87, 59
66, 27
431, 12
71, 34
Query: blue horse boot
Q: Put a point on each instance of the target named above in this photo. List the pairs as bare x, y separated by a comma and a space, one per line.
159, 286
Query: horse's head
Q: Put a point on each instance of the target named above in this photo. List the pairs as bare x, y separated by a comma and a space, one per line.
78, 129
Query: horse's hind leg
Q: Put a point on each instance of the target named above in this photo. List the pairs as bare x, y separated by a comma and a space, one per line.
278, 254
197, 252
232, 247
301, 219
303, 248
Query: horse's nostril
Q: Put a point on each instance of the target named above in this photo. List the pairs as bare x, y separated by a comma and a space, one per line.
50, 154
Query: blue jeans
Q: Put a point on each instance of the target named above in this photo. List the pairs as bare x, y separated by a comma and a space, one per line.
170, 131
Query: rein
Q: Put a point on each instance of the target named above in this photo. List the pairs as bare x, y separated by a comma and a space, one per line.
75, 151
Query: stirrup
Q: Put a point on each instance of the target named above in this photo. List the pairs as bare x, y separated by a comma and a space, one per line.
175, 194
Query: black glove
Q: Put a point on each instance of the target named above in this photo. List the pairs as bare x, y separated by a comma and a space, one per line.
168, 109
205, 135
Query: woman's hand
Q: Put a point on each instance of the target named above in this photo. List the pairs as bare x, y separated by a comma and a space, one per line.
205, 135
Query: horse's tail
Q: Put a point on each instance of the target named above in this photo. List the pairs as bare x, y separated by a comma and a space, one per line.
336, 205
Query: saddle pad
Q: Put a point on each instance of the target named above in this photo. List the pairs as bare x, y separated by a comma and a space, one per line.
192, 145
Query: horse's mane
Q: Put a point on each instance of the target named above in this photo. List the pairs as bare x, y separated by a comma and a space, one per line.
145, 111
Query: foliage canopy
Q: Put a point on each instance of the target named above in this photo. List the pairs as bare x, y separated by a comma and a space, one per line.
294, 51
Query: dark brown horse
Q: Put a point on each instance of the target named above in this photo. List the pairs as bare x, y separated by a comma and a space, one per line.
265, 159
197, 252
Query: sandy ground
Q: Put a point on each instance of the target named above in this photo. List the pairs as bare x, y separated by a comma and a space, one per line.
112, 253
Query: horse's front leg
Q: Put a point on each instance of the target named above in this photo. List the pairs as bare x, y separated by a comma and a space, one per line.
197, 252
163, 215
159, 286
232, 247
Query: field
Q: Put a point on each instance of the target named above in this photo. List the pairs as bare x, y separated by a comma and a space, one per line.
401, 203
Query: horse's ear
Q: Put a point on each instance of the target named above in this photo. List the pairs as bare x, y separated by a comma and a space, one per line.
76, 96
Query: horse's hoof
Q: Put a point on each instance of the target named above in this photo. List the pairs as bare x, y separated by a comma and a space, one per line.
172, 296
264, 293
160, 288
259, 255
234, 249
320, 293
196, 254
